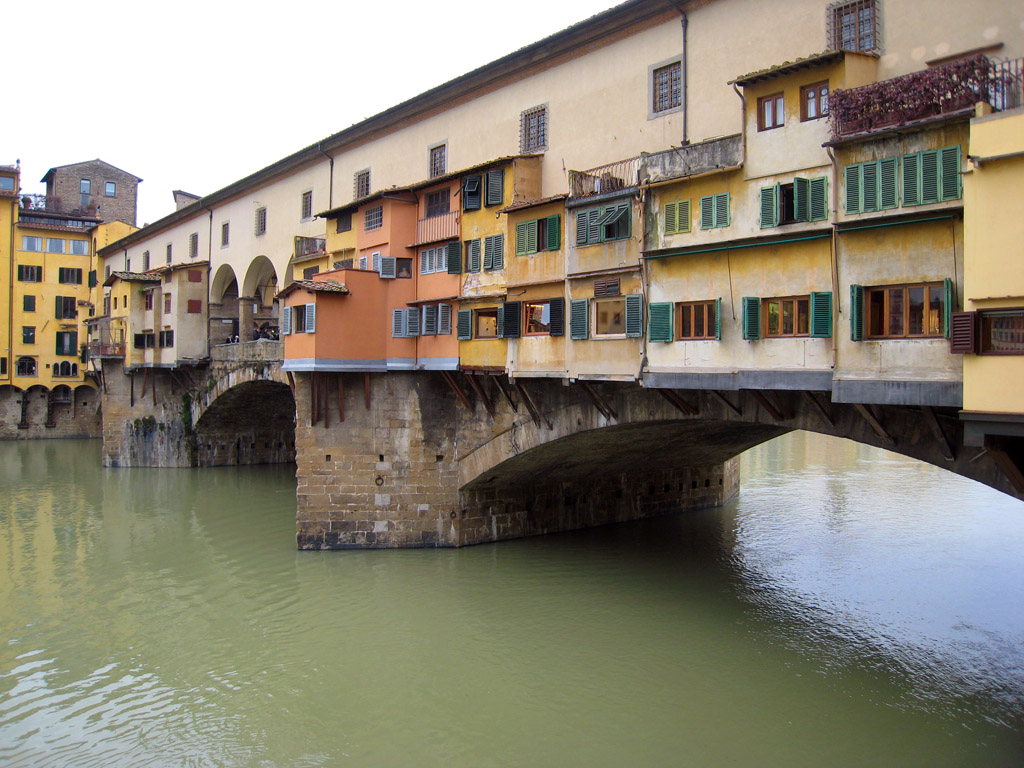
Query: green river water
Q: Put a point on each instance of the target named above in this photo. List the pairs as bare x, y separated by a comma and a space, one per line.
849, 608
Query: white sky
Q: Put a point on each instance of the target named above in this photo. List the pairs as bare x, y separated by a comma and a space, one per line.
195, 95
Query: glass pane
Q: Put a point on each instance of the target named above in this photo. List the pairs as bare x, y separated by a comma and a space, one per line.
1002, 334
780, 113
698, 322
935, 310
487, 324
538, 318
686, 325
773, 318
768, 122
915, 315
611, 317
823, 101
787, 318
802, 316
896, 312
812, 103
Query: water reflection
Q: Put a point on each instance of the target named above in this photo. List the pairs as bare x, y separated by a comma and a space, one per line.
849, 608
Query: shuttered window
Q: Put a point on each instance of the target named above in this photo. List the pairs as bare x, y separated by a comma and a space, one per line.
579, 318
388, 267
495, 187
871, 186
659, 322
464, 325
931, 176
964, 333
677, 217
471, 193
538, 235
557, 309
286, 321
444, 319
429, 312
751, 318
714, 211
921, 310
455, 257
821, 314
700, 320
634, 316
509, 320
473, 259
311, 317
494, 252
603, 224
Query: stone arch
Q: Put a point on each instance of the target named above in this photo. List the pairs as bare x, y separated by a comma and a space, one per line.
260, 280
224, 284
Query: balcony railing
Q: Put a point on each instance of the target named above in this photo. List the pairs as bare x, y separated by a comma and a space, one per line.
438, 228
309, 246
106, 349
605, 178
930, 92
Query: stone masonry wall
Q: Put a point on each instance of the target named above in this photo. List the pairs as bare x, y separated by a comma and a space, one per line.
80, 418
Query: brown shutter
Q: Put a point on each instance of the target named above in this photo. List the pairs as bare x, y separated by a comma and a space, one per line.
963, 338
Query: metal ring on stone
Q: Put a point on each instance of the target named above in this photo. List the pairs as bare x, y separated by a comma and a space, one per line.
379, 480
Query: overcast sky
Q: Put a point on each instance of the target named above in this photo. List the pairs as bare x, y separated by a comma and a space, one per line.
194, 95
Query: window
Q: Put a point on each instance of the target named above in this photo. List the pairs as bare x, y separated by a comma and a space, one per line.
55, 245
28, 334
533, 130
771, 112
373, 218
69, 275
65, 369
34, 244
28, 303
169, 252
904, 311
485, 323
79, 247
344, 223
814, 101
66, 308
803, 200
195, 306
538, 235
601, 224
667, 87
544, 318
85, 187
405, 323
437, 203
146, 340
260, 223
471, 196
699, 319
167, 303
29, 273
932, 176
610, 317
438, 160
494, 182
225, 234
193, 245
6, 185
149, 300
494, 252
110, 189
361, 184
434, 260
166, 339
26, 366
403, 268
67, 343
307, 274
788, 316
714, 211
853, 26
307, 205
677, 217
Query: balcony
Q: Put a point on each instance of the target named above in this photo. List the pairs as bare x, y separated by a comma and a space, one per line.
604, 179
438, 228
929, 93
106, 349
309, 247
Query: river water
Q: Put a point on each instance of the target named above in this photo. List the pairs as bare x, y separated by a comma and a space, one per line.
849, 608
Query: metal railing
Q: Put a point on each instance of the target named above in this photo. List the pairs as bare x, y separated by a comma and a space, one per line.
308, 246
437, 228
106, 349
605, 178
957, 85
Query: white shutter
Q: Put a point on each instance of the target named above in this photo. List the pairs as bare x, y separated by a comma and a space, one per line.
286, 321
375, 264
412, 322
387, 266
429, 319
398, 323
311, 317
362, 262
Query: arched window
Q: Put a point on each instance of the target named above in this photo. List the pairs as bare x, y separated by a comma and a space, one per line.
26, 366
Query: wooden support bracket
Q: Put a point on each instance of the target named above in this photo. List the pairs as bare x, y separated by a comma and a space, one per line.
874, 423
678, 403
531, 406
773, 409
341, 398
936, 428
291, 382
506, 390
454, 385
726, 402
1006, 463
474, 382
599, 402
819, 409
366, 389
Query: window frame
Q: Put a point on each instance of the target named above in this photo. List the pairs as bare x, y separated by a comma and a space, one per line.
437, 160
533, 129
871, 333
28, 334
656, 105
766, 304
306, 205
110, 189
260, 221
778, 104
543, 304
595, 223
820, 91
984, 338
485, 312
23, 362
834, 22
595, 317
373, 218
225, 234
714, 201
710, 309
193, 245
361, 184
437, 203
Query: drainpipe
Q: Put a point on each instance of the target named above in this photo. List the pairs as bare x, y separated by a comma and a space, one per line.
330, 179
685, 23
10, 299
836, 306
209, 281
743, 126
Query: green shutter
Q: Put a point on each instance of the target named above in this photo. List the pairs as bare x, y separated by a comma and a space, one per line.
677, 217
58, 309
671, 225
495, 188
888, 186
593, 228
912, 179
801, 199
556, 317
581, 228
92, 278
532, 236
856, 313
73, 343
473, 255
930, 176
579, 318
497, 251
659, 321
851, 181
818, 210
751, 318
769, 206
554, 225
707, 212
509, 315
634, 316
455, 257
869, 186
718, 319
949, 164
821, 314
948, 304
21, 272
464, 324
521, 238
722, 210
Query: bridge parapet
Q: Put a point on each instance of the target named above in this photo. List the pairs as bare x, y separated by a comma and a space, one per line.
261, 350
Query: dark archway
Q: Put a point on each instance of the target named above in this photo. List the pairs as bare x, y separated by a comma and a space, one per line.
251, 423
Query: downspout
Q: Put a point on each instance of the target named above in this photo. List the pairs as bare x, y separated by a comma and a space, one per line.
10, 300
836, 305
330, 178
743, 126
209, 281
685, 23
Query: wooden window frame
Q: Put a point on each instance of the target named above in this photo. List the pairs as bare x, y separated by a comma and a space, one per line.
485, 312
528, 306
781, 301
872, 334
437, 157
306, 205
595, 318
985, 330
225, 234
836, 11
437, 203
820, 92
193, 245
709, 310
778, 104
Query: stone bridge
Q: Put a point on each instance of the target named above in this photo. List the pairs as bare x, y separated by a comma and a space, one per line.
449, 459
